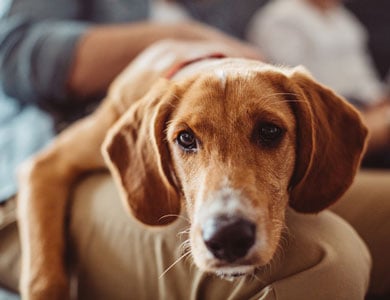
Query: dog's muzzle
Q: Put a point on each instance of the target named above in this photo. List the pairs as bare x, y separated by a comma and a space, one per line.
228, 238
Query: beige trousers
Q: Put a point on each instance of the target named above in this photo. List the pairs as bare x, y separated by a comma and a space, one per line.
119, 258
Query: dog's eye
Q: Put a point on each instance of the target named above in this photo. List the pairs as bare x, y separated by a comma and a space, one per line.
269, 134
187, 141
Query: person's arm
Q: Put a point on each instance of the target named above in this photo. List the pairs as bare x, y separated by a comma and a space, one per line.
105, 50
37, 39
47, 54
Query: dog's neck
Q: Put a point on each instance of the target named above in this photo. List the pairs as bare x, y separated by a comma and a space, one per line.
183, 66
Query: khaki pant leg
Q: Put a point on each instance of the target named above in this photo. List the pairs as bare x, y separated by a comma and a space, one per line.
9, 247
326, 258
366, 206
322, 257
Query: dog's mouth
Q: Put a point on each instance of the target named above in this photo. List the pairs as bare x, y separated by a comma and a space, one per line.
230, 277
234, 272
234, 275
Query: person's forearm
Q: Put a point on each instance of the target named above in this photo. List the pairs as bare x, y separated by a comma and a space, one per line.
105, 50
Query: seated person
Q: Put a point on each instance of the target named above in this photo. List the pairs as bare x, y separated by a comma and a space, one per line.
328, 40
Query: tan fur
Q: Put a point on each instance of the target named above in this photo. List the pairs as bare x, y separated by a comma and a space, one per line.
222, 102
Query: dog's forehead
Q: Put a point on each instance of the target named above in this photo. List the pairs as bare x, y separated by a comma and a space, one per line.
232, 92
233, 67
233, 82
245, 68
237, 73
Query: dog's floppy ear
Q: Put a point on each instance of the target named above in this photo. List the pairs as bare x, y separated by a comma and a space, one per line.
330, 142
136, 153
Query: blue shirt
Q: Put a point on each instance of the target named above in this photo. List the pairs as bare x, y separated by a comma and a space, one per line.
23, 131
37, 41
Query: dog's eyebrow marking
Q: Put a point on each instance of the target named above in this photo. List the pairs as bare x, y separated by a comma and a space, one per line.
222, 77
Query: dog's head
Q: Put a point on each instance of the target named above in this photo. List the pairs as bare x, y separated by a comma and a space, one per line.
238, 141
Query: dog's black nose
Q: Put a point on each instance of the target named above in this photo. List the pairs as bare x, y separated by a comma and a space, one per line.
228, 238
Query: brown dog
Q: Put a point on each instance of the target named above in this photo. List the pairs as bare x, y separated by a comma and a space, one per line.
236, 140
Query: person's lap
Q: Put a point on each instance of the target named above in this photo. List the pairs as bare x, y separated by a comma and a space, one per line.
367, 207
119, 257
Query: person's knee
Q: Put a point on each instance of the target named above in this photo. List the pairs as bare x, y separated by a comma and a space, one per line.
328, 260
366, 207
323, 257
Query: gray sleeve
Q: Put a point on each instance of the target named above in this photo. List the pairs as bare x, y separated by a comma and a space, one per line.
37, 41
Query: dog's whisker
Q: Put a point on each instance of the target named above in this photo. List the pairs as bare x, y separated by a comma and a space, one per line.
185, 246
280, 250
190, 262
185, 231
174, 263
268, 267
174, 215
255, 276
